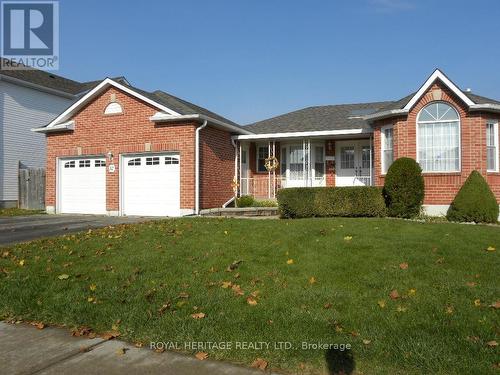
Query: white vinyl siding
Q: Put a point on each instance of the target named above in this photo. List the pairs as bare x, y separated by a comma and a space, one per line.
387, 141
22, 109
492, 146
438, 138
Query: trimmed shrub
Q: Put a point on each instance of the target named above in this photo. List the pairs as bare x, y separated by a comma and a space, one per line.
265, 203
475, 202
404, 188
245, 201
360, 201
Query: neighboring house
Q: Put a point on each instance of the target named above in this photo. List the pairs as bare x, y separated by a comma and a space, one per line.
28, 99
123, 151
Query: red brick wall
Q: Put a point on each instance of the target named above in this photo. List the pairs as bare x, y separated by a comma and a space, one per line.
216, 167
441, 188
97, 134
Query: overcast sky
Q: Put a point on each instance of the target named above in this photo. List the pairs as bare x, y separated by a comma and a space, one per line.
253, 59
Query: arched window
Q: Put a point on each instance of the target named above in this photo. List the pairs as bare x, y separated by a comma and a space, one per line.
113, 108
438, 137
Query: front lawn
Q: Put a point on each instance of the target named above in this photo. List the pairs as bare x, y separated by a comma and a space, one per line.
331, 281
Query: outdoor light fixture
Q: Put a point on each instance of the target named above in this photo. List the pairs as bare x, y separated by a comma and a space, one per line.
110, 156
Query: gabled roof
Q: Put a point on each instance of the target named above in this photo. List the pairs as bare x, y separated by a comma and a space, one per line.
319, 118
170, 108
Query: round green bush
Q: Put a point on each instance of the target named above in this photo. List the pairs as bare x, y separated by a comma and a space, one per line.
245, 201
475, 202
404, 188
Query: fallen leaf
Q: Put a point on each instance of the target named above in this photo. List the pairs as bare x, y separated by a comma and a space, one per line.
289, 261
234, 265
183, 295
22, 262
64, 276
347, 238
477, 302
492, 343
403, 266
164, 307
367, 342
237, 290
449, 310
401, 309
471, 284
394, 294
251, 301
121, 351
199, 315
201, 355
110, 335
381, 303
327, 305
354, 334
226, 232
226, 284
490, 248
93, 287
90, 299
312, 280
260, 364
495, 305
38, 325
412, 292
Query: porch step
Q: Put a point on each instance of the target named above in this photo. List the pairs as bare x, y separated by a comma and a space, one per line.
244, 211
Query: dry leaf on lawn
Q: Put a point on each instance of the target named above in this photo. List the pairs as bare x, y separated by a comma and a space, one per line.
201, 356
64, 276
381, 303
495, 305
251, 301
403, 266
492, 343
289, 261
199, 315
260, 364
110, 335
394, 294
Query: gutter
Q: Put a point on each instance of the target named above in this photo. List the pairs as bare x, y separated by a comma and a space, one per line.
163, 117
319, 133
385, 114
65, 126
197, 167
485, 107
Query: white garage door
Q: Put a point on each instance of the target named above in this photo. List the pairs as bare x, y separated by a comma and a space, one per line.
82, 186
151, 185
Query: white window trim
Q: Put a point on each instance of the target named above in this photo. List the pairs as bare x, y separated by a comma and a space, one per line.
495, 132
257, 146
459, 170
382, 141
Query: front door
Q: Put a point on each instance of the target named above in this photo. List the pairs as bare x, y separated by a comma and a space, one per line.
352, 162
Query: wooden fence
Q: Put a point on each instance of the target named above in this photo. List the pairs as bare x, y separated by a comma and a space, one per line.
32, 188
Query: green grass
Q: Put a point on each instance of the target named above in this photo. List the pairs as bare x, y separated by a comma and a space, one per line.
19, 212
139, 268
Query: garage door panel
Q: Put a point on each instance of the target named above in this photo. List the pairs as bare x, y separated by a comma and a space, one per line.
82, 186
151, 185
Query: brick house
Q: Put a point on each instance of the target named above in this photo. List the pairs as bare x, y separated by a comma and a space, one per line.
123, 151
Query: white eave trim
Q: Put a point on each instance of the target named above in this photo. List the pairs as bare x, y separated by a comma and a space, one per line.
165, 117
70, 125
437, 75
485, 107
385, 114
66, 115
319, 133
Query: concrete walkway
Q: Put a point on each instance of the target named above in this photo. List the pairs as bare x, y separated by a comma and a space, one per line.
27, 350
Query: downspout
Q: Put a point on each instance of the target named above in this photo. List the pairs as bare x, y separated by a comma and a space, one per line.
197, 168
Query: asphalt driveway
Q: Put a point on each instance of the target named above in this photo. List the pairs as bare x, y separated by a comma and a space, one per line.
26, 228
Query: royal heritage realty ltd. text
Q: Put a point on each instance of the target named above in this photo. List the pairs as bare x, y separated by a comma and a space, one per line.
247, 345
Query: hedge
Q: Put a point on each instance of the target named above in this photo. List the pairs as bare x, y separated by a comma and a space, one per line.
475, 202
359, 201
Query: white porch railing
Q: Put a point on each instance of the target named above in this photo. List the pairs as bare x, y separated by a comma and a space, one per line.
262, 186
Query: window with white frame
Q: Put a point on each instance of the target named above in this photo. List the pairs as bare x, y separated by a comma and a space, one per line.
438, 129
387, 147
347, 157
283, 161
319, 162
262, 155
296, 162
492, 146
